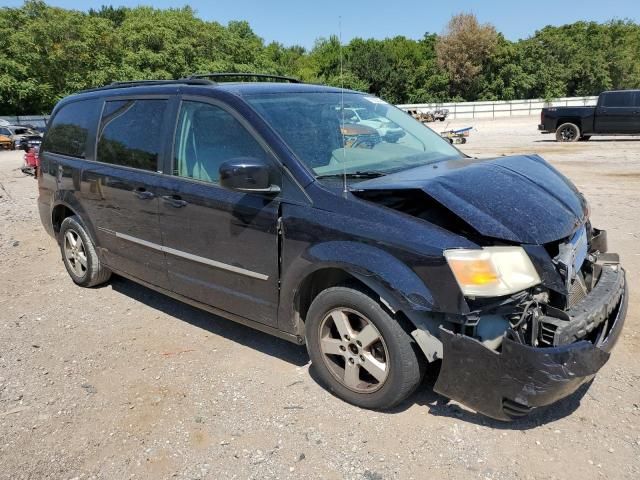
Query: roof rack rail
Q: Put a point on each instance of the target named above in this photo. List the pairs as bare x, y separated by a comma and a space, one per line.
135, 83
261, 76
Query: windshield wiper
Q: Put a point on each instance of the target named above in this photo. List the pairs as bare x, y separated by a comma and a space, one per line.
365, 174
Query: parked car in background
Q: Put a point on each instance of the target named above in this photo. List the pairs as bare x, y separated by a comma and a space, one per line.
36, 125
387, 129
257, 202
616, 113
6, 143
440, 114
31, 161
27, 142
21, 137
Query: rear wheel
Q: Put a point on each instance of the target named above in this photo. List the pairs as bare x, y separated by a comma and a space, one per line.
360, 352
79, 254
568, 132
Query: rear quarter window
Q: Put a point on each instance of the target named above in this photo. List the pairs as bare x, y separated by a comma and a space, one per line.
68, 133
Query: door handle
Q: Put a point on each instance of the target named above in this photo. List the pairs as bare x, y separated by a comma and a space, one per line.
143, 194
174, 200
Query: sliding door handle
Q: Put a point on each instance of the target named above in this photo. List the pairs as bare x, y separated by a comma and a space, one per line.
143, 194
174, 201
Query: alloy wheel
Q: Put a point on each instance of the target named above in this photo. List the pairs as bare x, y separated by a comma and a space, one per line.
75, 253
354, 351
568, 134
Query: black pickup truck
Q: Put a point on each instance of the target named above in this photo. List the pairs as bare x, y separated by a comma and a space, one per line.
616, 113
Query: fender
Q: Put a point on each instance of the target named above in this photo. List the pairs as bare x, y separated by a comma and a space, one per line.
395, 282
69, 200
398, 287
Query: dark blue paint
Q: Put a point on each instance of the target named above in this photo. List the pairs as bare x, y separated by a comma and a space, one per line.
521, 199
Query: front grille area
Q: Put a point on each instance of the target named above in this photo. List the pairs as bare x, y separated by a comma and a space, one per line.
577, 291
547, 334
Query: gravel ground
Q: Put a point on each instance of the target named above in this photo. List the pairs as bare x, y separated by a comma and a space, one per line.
121, 382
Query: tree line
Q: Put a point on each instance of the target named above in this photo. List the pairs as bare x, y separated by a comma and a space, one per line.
47, 53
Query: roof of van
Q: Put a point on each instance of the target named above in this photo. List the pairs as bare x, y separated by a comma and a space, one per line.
259, 88
237, 88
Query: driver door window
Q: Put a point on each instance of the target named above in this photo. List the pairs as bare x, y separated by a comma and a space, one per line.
206, 137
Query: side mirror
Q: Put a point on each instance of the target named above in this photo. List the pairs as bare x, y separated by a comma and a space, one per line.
246, 174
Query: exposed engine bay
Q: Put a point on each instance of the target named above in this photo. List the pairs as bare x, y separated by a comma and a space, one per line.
548, 315
542, 317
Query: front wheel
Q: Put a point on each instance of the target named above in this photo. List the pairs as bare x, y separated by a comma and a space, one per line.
360, 352
568, 132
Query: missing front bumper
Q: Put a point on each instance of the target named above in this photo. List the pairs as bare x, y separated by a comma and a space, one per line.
509, 384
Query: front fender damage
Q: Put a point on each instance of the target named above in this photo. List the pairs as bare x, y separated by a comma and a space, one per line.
509, 383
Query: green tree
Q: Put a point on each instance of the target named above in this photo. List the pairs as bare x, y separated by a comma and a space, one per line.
49, 52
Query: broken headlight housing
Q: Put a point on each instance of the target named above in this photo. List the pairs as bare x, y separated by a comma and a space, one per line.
492, 271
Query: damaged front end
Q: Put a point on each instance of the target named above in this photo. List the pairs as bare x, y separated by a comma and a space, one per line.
533, 348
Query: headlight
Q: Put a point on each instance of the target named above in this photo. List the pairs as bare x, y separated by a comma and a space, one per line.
492, 271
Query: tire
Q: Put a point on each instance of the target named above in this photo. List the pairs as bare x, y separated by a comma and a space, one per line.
79, 254
383, 369
568, 132
585, 138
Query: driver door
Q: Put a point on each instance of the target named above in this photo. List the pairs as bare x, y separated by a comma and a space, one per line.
221, 245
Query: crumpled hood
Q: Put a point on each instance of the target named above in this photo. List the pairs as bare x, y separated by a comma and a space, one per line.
517, 198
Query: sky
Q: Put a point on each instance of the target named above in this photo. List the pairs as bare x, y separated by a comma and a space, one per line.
299, 22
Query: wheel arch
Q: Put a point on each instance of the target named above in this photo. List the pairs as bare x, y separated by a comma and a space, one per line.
63, 207
330, 264
59, 212
575, 120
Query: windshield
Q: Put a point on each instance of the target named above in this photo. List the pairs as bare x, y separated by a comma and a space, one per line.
333, 133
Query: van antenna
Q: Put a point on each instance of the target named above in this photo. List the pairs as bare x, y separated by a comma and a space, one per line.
344, 151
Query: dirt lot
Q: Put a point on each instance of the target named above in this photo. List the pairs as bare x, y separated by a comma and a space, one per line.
121, 382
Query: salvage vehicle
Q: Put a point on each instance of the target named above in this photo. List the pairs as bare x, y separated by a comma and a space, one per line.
5, 142
440, 114
19, 134
244, 199
616, 113
27, 142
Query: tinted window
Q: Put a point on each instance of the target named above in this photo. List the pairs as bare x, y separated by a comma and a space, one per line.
637, 99
69, 130
208, 136
618, 99
5, 131
131, 133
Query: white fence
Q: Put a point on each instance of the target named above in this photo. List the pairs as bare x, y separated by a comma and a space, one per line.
502, 108
38, 120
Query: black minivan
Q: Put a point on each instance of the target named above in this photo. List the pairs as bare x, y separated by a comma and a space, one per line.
266, 203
